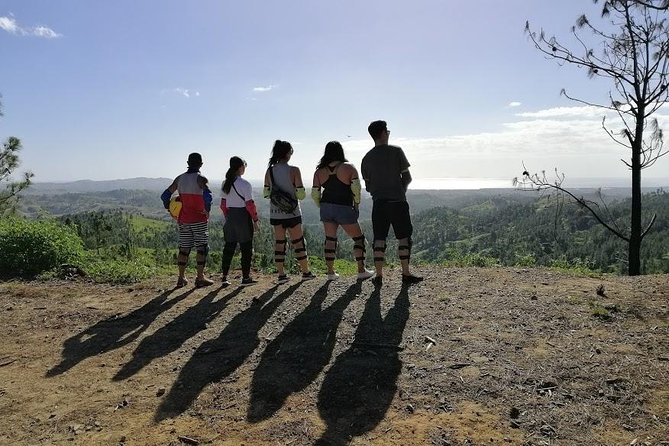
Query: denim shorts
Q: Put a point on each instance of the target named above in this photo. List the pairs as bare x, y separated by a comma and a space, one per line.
339, 214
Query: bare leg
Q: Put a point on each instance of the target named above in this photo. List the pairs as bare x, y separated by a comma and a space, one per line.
355, 233
299, 247
201, 261
182, 260
330, 250
379, 256
404, 253
280, 248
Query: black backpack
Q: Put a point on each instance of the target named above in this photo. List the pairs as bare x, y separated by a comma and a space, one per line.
285, 202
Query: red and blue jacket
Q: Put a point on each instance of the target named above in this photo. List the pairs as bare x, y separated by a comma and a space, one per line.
195, 199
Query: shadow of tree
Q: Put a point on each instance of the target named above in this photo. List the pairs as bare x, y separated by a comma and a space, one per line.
218, 358
360, 386
171, 336
295, 358
113, 332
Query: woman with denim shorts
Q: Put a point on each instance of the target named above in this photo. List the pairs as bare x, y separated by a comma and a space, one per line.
336, 190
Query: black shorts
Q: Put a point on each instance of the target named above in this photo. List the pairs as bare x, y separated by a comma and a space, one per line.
387, 213
286, 222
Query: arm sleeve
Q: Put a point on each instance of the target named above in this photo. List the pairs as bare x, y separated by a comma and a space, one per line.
356, 188
208, 198
316, 195
224, 207
251, 208
300, 193
165, 197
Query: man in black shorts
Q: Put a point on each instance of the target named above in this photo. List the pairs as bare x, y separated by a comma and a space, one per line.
385, 170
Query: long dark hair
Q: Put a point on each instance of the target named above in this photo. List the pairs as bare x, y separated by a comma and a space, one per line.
280, 150
333, 152
231, 175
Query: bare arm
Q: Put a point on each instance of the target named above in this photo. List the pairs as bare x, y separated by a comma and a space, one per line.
405, 177
297, 182
296, 177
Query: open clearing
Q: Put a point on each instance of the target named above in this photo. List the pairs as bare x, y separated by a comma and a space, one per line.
476, 356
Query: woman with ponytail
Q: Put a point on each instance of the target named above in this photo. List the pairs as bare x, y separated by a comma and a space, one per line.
241, 220
285, 181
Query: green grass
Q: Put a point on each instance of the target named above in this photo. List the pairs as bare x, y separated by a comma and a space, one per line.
599, 311
576, 267
141, 223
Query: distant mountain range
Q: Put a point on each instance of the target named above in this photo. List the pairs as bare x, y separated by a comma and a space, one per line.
159, 184
85, 186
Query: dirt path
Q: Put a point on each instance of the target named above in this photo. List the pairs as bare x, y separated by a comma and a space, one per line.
470, 357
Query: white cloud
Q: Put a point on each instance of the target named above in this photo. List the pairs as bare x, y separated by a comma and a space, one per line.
571, 138
185, 92
264, 89
586, 112
514, 104
10, 25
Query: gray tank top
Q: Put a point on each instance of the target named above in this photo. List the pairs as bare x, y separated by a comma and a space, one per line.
281, 172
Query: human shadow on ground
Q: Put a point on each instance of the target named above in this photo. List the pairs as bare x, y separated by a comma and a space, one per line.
219, 357
171, 336
295, 358
360, 386
113, 332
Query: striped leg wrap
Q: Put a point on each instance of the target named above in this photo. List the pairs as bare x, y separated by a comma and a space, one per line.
299, 248
280, 251
379, 250
359, 244
330, 249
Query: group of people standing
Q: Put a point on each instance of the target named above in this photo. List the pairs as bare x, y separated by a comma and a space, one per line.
336, 189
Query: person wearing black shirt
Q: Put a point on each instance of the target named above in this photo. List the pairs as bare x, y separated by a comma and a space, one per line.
385, 170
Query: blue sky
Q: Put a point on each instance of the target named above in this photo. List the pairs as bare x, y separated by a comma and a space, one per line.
104, 90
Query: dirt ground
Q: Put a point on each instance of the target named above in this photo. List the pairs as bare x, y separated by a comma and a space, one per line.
469, 357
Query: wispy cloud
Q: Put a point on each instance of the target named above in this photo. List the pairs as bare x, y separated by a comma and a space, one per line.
581, 112
185, 92
514, 104
10, 25
571, 137
264, 89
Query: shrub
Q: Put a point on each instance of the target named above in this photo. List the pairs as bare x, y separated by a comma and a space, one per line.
30, 247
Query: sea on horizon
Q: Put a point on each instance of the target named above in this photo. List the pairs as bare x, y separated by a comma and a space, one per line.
461, 183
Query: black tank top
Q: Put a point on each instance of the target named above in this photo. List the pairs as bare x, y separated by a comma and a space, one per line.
335, 191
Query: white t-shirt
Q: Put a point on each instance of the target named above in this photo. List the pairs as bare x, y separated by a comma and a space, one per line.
233, 200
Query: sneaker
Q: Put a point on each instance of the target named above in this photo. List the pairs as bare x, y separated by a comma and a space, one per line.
366, 274
200, 283
377, 281
410, 279
182, 282
247, 281
225, 282
333, 276
282, 278
308, 276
